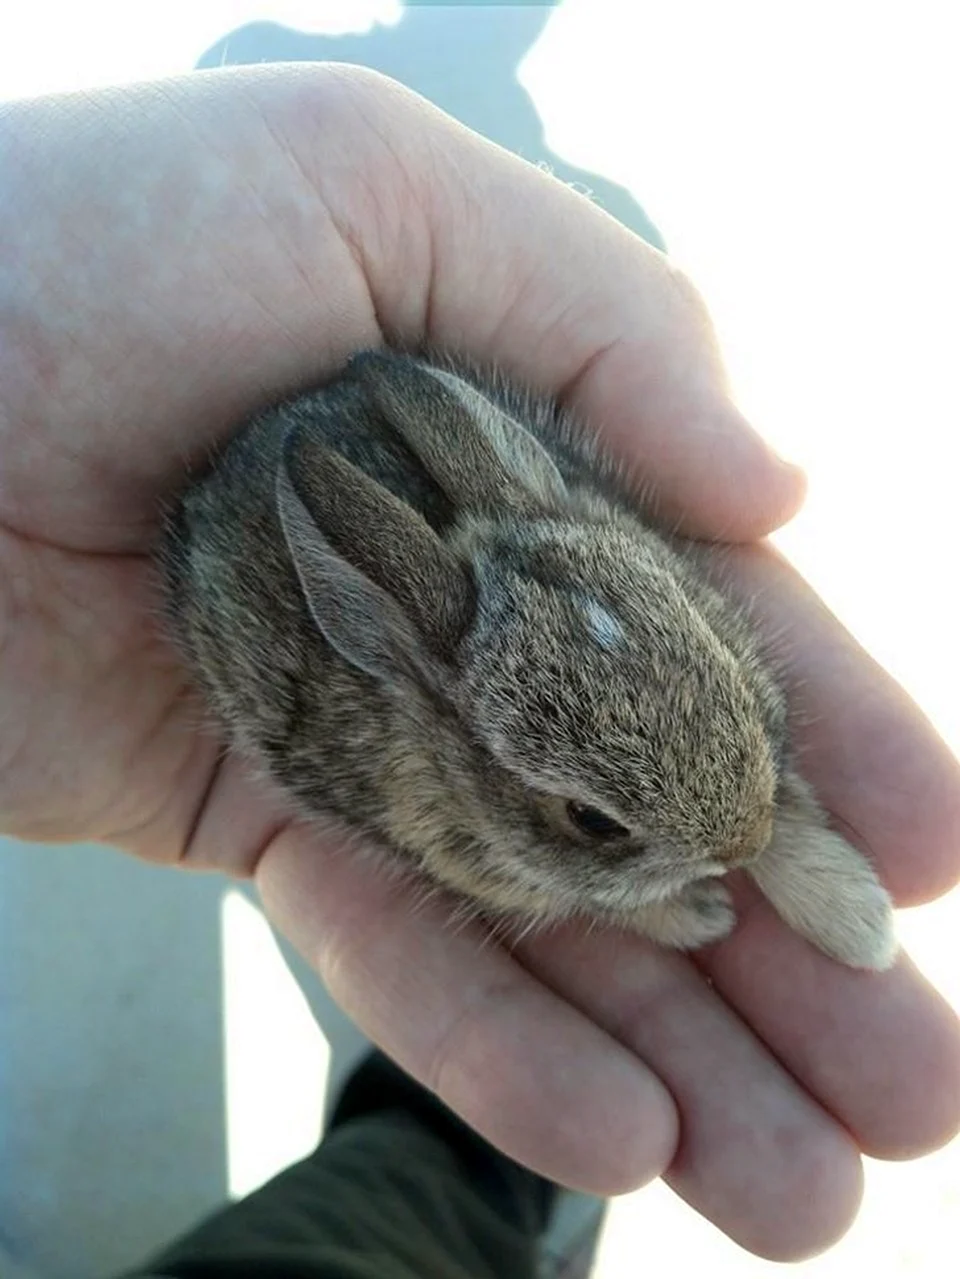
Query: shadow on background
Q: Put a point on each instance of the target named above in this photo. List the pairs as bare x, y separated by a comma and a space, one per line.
112, 1109
113, 1131
464, 58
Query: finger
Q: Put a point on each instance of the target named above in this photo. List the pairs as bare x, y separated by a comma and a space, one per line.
874, 759
574, 304
881, 1051
757, 1155
534, 1076
185, 252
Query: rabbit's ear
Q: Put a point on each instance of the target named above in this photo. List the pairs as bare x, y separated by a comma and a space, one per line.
475, 451
380, 585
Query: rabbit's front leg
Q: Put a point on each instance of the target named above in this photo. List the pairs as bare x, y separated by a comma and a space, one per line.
699, 914
822, 887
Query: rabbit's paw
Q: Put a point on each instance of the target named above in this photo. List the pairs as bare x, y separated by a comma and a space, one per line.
857, 926
829, 893
701, 913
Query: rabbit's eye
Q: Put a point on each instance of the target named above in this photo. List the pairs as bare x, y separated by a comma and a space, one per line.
593, 822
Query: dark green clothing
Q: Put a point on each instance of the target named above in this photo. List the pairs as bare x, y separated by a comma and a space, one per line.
398, 1189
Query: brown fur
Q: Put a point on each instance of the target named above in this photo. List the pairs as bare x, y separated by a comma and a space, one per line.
428, 604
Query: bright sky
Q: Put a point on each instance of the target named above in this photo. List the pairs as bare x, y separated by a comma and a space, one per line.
798, 158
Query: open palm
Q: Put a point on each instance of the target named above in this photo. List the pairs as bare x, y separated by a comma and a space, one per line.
176, 256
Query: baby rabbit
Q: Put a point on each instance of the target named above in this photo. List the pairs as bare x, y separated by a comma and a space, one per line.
429, 605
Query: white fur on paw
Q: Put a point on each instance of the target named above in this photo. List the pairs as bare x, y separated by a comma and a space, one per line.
859, 932
701, 914
829, 893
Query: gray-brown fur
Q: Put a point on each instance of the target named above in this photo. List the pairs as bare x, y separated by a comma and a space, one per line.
428, 604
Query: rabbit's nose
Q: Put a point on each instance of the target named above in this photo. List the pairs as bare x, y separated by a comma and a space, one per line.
750, 843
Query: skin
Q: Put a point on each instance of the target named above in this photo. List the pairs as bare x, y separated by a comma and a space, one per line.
178, 255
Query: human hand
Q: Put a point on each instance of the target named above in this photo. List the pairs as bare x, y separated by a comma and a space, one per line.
178, 255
